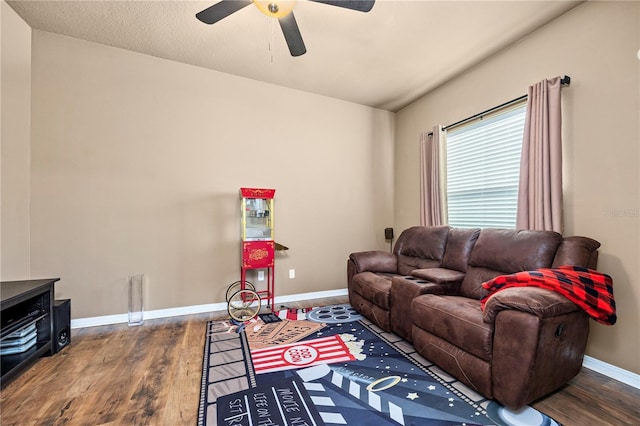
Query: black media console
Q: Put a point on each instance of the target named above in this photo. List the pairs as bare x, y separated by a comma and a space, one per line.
26, 324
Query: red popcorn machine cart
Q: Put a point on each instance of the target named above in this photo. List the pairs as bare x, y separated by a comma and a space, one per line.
258, 245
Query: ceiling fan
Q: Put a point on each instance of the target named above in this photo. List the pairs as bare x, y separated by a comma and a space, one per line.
280, 9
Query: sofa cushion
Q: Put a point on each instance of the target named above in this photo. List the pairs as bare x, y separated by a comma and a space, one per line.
439, 275
455, 319
374, 288
460, 242
511, 250
420, 247
505, 251
475, 275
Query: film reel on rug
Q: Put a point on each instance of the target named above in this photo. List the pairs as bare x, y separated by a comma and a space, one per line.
334, 314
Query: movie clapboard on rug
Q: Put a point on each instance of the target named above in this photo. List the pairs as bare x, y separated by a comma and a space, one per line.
330, 366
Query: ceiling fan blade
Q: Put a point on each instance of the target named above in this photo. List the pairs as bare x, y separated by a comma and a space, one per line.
292, 35
221, 10
359, 5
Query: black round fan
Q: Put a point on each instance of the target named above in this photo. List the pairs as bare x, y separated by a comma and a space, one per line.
283, 11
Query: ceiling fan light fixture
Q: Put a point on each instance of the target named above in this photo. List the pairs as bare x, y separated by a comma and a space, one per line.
275, 8
282, 10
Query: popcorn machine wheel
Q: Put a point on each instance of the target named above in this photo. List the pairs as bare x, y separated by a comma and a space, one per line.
243, 302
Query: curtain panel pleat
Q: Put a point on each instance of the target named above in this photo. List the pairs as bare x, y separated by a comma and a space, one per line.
432, 199
540, 186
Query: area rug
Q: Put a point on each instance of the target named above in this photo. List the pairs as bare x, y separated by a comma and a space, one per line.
330, 366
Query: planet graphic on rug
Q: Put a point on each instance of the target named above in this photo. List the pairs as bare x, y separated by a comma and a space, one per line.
526, 416
334, 314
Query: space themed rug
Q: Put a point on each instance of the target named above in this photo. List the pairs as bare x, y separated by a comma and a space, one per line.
331, 366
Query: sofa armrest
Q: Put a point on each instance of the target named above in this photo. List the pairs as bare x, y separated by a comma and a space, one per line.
375, 261
533, 357
536, 301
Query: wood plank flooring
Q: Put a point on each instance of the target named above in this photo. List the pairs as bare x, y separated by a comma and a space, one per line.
150, 375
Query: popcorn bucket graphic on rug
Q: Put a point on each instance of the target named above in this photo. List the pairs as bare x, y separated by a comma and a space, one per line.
301, 354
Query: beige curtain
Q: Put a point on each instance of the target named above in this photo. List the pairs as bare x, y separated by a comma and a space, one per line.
432, 190
540, 190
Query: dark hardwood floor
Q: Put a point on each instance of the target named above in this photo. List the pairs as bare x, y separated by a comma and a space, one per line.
150, 375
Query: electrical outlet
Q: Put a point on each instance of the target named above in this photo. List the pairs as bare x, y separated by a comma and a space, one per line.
292, 273
260, 275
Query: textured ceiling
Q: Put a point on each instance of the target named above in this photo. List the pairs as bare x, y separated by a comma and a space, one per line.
385, 58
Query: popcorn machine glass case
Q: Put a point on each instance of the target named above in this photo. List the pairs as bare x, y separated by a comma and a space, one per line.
258, 247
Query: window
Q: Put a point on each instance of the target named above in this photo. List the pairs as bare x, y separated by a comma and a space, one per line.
483, 169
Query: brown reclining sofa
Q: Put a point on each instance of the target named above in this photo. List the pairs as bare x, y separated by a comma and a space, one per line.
526, 343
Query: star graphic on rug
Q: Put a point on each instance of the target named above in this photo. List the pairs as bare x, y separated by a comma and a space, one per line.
412, 396
431, 387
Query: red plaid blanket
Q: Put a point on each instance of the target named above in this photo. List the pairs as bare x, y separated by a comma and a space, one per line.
591, 290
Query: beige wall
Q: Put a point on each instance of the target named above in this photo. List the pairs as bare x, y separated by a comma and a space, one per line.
15, 112
595, 44
137, 164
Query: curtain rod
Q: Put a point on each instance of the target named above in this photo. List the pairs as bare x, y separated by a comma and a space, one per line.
564, 81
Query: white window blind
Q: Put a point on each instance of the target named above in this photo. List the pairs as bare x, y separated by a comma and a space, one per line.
483, 168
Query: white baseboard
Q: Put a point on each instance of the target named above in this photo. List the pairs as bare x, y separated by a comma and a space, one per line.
310, 296
196, 309
596, 365
616, 373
